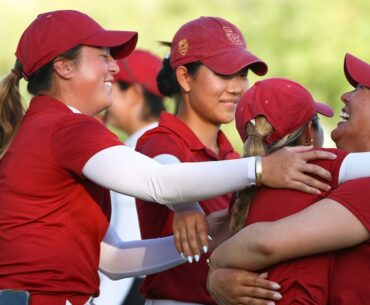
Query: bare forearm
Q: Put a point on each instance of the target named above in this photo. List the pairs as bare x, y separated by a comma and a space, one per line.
244, 250
322, 227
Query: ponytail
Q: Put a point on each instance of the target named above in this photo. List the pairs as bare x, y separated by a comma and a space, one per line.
11, 107
255, 146
167, 81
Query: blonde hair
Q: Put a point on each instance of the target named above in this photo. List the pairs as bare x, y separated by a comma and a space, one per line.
11, 107
255, 146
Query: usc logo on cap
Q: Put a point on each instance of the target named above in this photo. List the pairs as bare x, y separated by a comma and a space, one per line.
234, 38
183, 46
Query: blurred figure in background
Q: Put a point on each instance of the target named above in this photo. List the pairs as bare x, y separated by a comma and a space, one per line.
136, 107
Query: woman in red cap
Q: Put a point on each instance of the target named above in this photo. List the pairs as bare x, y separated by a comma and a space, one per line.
57, 162
206, 72
341, 220
264, 122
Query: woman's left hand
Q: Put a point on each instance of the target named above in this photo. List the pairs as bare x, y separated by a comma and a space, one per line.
241, 287
190, 229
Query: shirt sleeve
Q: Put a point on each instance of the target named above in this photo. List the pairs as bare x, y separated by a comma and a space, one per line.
355, 165
332, 165
155, 143
77, 138
123, 170
120, 259
355, 196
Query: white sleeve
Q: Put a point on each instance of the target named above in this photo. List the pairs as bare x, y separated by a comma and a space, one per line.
120, 259
171, 159
354, 165
126, 171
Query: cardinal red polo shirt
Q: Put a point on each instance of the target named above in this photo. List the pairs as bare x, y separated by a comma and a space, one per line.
187, 282
52, 219
304, 280
350, 279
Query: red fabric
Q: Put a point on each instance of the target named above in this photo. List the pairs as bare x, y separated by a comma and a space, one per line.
58, 299
187, 282
279, 100
52, 219
216, 43
140, 67
356, 70
305, 280
53, 33
350, 280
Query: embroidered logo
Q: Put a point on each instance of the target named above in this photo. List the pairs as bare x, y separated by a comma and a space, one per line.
183, 46
234, 38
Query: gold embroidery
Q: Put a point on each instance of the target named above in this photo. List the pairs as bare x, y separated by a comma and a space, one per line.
183, 46
234, 38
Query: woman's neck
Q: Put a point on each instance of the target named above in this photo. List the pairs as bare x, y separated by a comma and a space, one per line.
206, 131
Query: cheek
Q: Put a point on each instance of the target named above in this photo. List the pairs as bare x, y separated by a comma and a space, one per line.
115, 96
245, 86
213, 85
96, 72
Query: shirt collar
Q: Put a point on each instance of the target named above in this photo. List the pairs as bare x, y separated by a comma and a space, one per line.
42, 101
178, 127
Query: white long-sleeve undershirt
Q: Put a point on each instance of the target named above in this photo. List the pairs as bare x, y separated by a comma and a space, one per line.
354, 165
120, 259
123, 170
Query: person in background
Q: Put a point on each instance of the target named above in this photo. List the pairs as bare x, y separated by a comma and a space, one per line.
137, 105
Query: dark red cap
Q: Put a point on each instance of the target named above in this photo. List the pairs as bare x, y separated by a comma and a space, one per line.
53, 33
216, 43
140, 67
287, 106
357, 71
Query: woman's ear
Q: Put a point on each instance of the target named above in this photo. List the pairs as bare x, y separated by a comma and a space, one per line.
63, 67
310, 130
308, 134
183, 78
137, 89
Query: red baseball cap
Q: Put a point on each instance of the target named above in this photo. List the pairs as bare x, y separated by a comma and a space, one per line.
287, 106
140, 67
53, 33
216, 43
357, 71
324, 109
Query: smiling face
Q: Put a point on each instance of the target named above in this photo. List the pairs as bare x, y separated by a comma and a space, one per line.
93, 78
353, 131
214, 97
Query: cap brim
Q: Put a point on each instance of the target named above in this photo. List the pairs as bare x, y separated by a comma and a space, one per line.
234, 60
356, 71
324, 109
121, 43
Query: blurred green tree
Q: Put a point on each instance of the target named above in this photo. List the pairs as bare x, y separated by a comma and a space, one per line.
299, 39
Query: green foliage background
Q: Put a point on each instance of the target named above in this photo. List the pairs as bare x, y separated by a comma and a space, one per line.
304, 40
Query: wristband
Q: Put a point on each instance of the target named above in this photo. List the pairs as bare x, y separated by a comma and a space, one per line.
258, 171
